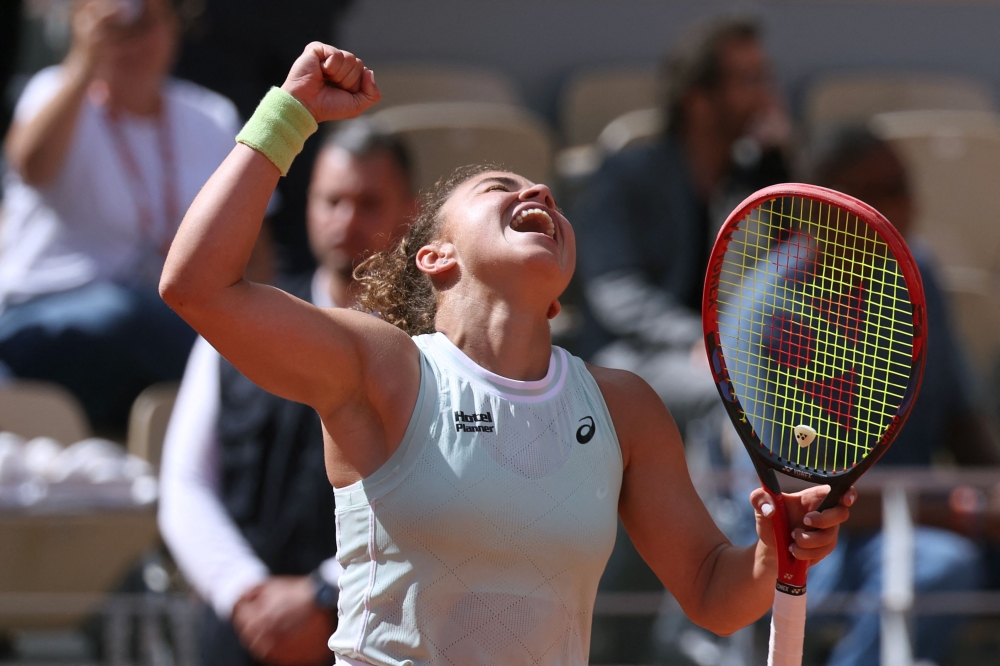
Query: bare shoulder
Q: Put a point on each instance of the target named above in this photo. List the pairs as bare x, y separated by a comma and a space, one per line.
389, 359
639, 416
621, 388
366, 420
372, 332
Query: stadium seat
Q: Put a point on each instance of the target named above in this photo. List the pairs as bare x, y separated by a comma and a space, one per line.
41, 409
414, 84
55, 565
593, 98
447, 135
840, 99
976, 317
631, 128
147, 424
953, 158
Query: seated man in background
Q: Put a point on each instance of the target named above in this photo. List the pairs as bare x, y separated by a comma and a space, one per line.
944, 418
647, 222
246, 508
104, 156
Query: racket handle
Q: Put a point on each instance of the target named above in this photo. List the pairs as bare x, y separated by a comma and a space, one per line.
792, 572
788, 629
833, 497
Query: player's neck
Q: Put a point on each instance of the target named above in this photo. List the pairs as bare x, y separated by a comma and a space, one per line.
513, 342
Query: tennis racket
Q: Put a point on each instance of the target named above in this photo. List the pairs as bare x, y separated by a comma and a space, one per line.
814, 324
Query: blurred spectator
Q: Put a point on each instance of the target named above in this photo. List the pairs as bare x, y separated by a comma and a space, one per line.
240, 48
944, 418
104, 156
645, 228
10, 33
647, 223
246, 507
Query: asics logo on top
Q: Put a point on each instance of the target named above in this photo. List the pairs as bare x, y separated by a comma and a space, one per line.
585, 433
463, 422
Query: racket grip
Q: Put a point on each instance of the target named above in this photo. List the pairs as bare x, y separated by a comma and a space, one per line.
788, 629
792, 572
833, 497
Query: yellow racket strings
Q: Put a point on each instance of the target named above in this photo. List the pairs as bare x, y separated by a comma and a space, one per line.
816, 326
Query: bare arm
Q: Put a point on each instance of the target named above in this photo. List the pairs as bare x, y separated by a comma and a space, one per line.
720, 586
361, 374
37, 149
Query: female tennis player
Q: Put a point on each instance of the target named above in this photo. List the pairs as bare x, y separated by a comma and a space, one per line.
479, 471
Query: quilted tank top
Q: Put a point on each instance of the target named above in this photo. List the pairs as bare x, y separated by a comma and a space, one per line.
483, 538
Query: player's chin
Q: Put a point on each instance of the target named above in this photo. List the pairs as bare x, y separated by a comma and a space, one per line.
538, 246
543, 261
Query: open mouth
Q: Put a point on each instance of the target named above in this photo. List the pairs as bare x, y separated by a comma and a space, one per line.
534, 220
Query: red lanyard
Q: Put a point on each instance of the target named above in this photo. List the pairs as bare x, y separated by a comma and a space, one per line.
140, 192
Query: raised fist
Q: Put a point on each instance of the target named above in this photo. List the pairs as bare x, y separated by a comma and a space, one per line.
331, 83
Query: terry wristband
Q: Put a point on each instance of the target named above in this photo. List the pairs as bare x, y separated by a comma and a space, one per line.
278, 128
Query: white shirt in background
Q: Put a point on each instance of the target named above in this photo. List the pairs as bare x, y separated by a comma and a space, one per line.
85, 224
207, 545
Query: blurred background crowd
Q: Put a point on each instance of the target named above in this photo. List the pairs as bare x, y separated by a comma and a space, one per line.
157, 507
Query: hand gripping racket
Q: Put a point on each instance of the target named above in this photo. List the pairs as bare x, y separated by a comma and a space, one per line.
814, 325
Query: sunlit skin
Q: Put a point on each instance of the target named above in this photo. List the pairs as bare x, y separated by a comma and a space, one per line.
356, 205
497, 288
486, 271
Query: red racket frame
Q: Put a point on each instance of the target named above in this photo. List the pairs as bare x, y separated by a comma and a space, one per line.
792, 572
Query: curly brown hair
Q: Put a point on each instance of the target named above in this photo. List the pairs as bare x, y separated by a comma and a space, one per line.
390, 284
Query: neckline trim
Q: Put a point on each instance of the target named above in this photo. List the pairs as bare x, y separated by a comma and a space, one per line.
513, 389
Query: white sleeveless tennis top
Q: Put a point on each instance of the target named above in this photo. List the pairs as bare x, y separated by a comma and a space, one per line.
483, 537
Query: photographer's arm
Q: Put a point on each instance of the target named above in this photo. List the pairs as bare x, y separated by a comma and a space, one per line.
36, 148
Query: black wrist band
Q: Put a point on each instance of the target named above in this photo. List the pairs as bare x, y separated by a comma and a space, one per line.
326, 595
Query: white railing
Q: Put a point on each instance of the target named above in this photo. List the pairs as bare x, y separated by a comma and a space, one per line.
164, 627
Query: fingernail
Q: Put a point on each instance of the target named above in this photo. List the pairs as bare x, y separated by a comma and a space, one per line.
807, 520
790, 550
766, 509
